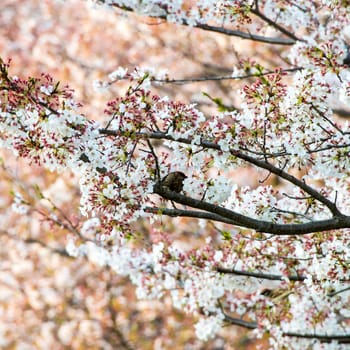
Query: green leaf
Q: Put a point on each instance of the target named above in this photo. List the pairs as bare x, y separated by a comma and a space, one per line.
220, 105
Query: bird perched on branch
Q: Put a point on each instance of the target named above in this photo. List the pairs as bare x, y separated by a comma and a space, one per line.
174, 181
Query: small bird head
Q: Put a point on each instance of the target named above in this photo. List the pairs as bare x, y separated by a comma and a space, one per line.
174, 181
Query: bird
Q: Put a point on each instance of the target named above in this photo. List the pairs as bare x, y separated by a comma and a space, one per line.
174, 181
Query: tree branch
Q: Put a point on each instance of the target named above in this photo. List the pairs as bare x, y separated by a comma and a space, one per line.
265, 276
240, 322
324, 338
220, 78
274, 24
242, 35
188, 213
221, 30
237, 219
273, 277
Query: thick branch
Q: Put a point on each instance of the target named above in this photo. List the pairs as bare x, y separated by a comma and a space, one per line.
237, 219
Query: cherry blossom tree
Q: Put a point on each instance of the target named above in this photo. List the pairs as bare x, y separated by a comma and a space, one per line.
271, 257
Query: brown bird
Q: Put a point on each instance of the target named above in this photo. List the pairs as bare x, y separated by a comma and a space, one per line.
174, 181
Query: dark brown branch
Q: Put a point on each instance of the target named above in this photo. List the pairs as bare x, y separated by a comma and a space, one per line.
324, 338
274, 24
221, 30
237, 219
240, 322
265, 276
332, 294
273, 277
242, 35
